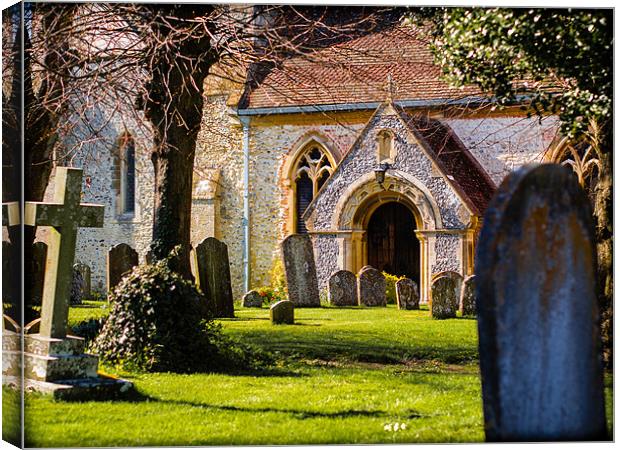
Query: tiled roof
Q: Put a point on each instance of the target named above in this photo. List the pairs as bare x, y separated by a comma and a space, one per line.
357, 71
455, 161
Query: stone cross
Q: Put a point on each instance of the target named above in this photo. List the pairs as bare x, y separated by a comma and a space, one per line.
64, 217
538, 318
10, 214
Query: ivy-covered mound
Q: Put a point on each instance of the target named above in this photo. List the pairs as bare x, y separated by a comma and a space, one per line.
159, 322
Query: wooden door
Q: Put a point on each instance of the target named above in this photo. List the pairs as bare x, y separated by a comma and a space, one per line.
392, 244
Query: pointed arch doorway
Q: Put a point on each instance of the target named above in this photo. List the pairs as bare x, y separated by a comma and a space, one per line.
392, 244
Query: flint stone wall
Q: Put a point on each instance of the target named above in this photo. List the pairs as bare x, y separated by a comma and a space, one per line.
272, 141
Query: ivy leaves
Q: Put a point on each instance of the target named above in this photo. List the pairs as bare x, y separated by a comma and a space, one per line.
560, 58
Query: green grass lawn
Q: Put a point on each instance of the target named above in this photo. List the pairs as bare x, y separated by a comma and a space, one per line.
342, 376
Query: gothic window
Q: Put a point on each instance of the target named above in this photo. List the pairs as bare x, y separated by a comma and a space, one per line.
124, 179
385, 146
312, 170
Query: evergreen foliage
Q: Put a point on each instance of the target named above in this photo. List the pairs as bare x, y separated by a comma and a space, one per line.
159, 321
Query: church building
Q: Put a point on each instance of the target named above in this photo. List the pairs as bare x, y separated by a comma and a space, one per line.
361, 145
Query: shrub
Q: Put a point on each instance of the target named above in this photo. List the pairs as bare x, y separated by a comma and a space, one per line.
390, 287
271, 294
277, 276
158, 321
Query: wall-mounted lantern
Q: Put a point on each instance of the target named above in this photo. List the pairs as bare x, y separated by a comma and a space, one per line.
380, 173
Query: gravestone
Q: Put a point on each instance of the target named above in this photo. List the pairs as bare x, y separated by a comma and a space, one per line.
342, 289
213, 276
371, 287
458, 278
407, 294
252, 299
121, 259
467, 302
538, 318
444, 299
86, 278
39, 256
282, 312
300, 270
55, 362
77, 288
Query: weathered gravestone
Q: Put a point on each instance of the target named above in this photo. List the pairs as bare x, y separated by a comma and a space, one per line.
121, 259
467, 302
538, 320
300, 270
444, 299
76, 293
54, 361
39, 257
342, 288
282, 312
252, 299
407, 294
86, 279
458, 278
371, 287
213, 276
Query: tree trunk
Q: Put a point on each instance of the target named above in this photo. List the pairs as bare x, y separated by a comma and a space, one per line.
174, 108
173, 197
603, 212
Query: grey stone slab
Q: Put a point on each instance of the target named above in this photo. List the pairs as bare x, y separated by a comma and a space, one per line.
458, 278
252, 299
213, 276
407, 294
300, 270
467, 302
121, 259
538, 318
342, 288
371, 287
444, 297
77, 288
282, 312
84, 269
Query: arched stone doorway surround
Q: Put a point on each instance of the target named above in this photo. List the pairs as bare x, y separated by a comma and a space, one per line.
361, 199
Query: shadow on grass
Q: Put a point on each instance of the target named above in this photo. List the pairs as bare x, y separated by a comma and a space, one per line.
296, 414
357, 348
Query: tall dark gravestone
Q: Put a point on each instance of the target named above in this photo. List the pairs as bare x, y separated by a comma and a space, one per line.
300, 270
39, 257
538, 320
213, 276
121, 259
